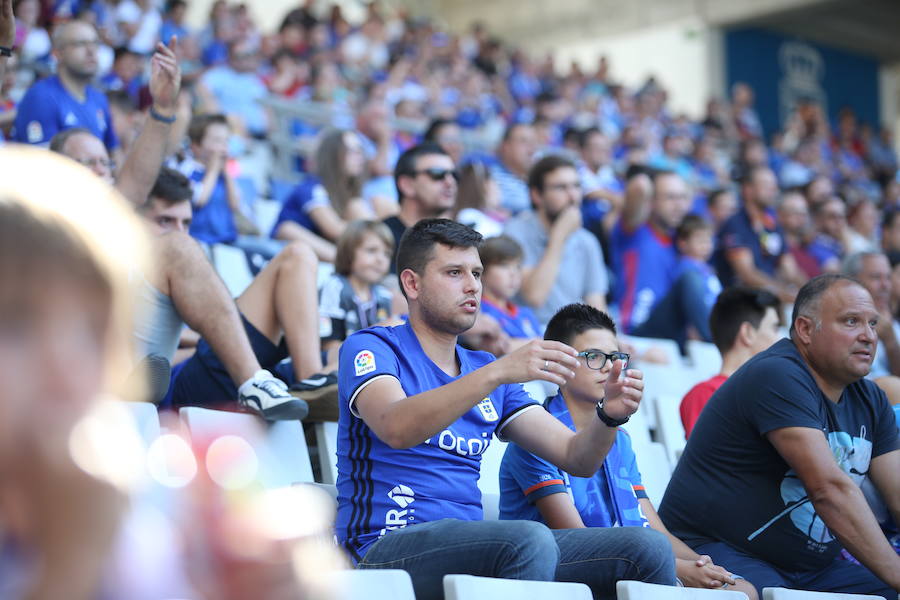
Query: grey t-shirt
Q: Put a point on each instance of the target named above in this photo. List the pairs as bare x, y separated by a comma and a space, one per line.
581, 269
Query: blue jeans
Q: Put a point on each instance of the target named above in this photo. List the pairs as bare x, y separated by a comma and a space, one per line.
595, 556
840, 576
683, 305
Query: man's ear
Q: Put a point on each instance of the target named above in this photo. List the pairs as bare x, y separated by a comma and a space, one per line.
404, 182
535, 196
410, 282
803, 328
746, 334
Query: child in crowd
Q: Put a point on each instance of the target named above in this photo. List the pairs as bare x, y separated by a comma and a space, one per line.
501, 257
533, 489
478, 201
694, 241
353, 297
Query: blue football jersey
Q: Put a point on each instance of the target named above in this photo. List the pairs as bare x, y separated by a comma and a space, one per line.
380, 488
645, 259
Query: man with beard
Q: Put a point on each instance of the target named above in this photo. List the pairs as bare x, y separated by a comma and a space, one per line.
67, 99
563, 262
780, 452
417, 411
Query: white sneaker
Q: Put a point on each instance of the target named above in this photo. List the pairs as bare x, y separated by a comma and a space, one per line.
267, 395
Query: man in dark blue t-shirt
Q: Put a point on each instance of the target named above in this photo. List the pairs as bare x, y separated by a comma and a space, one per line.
769, 483
417, 411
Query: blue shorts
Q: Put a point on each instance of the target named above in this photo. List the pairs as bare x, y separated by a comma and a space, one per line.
840, 576
202, 380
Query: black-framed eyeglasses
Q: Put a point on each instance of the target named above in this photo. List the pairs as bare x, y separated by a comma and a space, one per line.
438, 174
596, 359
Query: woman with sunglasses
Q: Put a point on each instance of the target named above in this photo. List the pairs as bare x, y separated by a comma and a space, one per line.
533, 489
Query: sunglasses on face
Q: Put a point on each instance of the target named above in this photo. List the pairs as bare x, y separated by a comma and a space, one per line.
596, 359
439, 174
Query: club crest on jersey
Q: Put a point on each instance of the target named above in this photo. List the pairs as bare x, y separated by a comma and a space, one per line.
364, 362
486, 407
34, 132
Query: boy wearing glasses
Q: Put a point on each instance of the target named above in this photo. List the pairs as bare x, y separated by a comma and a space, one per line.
533, 489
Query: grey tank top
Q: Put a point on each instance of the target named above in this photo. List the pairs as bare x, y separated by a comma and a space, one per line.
157, 324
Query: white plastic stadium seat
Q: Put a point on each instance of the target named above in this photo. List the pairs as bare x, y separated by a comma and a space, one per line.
326, 440
669, 429
265, 214
470, 587
771, 593
374, 584
655, 469
705, 358
280, 447
231, 265
637, 590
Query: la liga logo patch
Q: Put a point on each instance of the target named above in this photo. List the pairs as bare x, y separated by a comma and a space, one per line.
364, 362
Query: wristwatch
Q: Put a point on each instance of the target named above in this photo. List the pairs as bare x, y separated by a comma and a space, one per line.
608, 420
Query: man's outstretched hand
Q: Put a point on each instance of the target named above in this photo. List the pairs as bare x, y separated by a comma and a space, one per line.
165, 77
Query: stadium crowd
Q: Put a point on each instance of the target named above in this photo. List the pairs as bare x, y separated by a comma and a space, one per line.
435, 188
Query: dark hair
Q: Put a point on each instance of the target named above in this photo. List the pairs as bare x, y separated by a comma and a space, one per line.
574, 319
717, 193
473, 186
352, 238
889, 217
200, 123
511, 129
121, 51
58, 141
434, 127
736, 306
499, 249
416, 247
330, 167
690, 225
121, 100
544, 166
170, 187
585, 136
808, 298
406, 164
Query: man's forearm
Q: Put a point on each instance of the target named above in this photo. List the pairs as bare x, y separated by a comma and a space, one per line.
588, 449
414, 419
844, 510
144, 161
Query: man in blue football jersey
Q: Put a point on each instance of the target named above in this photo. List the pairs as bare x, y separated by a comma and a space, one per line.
417, 412
67, 99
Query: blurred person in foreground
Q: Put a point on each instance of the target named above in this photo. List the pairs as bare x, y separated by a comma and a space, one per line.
74, 521
780, 452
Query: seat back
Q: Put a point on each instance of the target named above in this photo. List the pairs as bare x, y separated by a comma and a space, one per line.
470, 587
775, 593
374, 584
638, 590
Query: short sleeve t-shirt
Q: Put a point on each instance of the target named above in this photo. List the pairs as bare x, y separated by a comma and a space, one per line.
767, 245
380, 488
213, 223
342, 312
693, 402
608, 499
732, 486
646, 261
48, 108
308, 195
581, 269
516, 321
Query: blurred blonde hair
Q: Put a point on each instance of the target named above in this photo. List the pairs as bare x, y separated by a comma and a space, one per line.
57, 219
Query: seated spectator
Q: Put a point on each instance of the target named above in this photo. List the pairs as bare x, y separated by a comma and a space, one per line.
173, 21
642, 245
478, 201
353, 298
743, 323
426, 181
125, 75
501, 257
684, 310
515, 154
448, 135
563, 262
603, 190
614, 496
31, 39
721, 204
140, 22
751, 248
235, 89
318, 209
828, 244
890, 230
278, 313
863, 233
67, 99
793, 217
417, 408
782, 448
